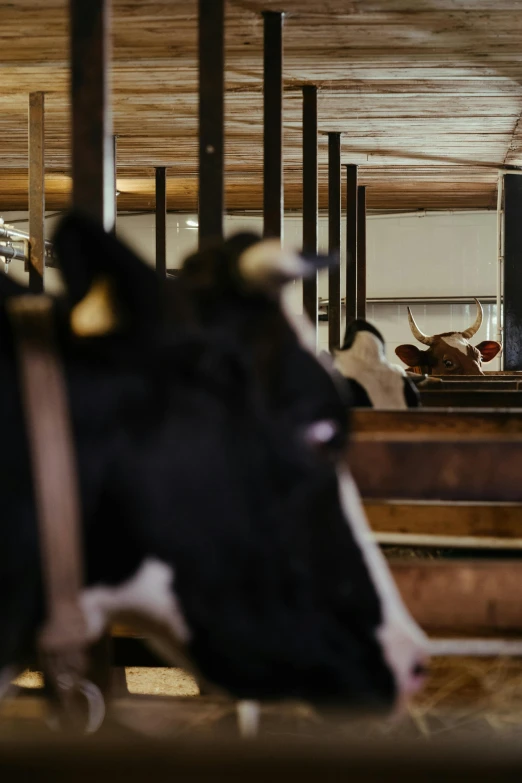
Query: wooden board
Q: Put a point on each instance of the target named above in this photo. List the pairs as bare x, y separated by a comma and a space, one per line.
428, 97
435, 421
476, 398
423, 467
462, 525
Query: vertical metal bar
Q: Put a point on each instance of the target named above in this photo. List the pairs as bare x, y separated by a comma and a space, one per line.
161, 222
211, 120
36, 192
361, 251
92, 144
512, 272
351, 243
310, 196
115, 178
334, 239
273, 198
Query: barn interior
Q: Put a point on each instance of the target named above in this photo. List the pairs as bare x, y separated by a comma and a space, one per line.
424, 99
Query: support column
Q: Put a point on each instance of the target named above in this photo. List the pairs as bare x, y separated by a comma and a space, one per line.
115, 177
512, 272
334, 239
310, 197
361, 251
92, 142
161, 222
351, 243
36, 192
273, 199
211, 120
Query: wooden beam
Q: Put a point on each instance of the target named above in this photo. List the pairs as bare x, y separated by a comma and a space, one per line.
36, 191
361, 251
310, 198
334, 240
273, 199
512, 272
471, 399
475, 525
161, 222
473, 597
92, 142
351, 243
419, 467
437, 422
211, 120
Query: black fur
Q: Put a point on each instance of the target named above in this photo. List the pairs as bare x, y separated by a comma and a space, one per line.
181, 457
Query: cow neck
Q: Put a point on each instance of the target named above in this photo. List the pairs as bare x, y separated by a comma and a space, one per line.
366, 363
62, 641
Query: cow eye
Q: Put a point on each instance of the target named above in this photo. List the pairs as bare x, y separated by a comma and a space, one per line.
448, 363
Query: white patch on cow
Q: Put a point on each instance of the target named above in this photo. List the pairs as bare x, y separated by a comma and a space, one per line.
366, 363
404, 644
322, 431
266, 263
248, 717
457, 341
149, 594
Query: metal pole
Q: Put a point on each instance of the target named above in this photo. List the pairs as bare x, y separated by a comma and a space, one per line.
512, 272
361, 251
351, 243
36, 192
92, 143
273, 199
211, 120
161, 222
310, 196
334, 239
500, 256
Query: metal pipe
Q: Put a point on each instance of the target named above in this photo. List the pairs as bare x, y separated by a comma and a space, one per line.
12, 253
334, 239
36, 246
361, 251
14, 235
273, 199
351, 242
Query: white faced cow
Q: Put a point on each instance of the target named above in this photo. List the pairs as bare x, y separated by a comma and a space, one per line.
450, 353
372, 381
205, 516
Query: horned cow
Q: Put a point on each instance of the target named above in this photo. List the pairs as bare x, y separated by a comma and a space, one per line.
448, 353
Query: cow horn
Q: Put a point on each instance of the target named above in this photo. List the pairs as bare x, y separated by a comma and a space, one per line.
422, 338
478, 321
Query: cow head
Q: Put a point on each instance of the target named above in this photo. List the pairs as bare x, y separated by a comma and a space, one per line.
240, 289
205, 520
450, 353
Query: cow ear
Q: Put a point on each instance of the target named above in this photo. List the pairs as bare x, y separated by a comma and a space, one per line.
488, 349
266, 266
108, 287
411, 355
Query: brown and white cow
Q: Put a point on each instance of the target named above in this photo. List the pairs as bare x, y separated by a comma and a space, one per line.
450, 353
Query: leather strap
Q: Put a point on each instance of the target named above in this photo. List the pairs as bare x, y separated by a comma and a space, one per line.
62, 640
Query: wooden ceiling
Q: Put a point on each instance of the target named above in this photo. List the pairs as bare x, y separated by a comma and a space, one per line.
427, 93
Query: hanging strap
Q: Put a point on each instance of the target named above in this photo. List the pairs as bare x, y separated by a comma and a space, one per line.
63, 640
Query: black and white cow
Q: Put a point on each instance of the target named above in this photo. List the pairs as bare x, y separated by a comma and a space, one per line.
204, 516
372, 381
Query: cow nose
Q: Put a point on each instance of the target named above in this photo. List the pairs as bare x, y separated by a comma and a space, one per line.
417, 675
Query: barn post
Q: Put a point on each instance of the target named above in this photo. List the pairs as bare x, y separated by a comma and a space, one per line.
211, 120
92, 142
512, 272
115, 177
273, 199
361, 251
351, 243
334, 239
310, 196
93, 168
36, 192
161, 222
